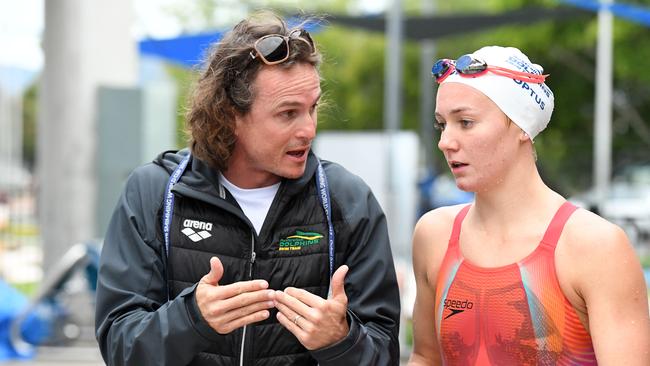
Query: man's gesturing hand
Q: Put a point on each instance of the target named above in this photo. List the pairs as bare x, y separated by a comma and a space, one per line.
316, 322
233, 306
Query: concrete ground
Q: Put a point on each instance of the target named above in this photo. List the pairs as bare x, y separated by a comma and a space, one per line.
63, 356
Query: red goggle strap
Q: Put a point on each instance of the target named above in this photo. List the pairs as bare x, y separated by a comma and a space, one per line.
520, 75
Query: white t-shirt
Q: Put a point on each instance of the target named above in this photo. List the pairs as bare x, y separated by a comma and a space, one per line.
254, 202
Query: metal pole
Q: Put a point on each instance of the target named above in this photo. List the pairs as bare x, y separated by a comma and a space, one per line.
392, 123
392, 118
392, 99
602, 164
393, 69
427, 105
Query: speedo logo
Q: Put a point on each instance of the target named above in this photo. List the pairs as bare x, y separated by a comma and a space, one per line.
457, 306
196, 230
300, 240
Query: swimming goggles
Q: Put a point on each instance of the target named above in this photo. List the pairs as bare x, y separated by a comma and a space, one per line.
470, 66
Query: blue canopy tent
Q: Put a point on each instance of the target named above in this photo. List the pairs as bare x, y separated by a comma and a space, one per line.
188, 50
184, 50
634, 13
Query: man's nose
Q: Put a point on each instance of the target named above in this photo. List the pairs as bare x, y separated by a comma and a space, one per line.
307, 128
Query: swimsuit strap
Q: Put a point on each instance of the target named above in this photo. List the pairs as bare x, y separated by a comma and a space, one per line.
554, 229
458, 221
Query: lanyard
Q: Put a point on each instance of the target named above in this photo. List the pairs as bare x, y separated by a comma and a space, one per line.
323, 196
169, 200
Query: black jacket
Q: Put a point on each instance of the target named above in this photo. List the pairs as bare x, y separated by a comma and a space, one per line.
137, 325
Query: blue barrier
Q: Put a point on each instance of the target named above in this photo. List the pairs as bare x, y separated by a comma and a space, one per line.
11, 305
26, 324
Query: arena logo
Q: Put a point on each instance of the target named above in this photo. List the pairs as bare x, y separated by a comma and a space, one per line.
200, 225
191, 225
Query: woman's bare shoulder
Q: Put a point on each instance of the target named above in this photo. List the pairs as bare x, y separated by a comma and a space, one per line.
586, 231
591, 245
432, 233
441, 218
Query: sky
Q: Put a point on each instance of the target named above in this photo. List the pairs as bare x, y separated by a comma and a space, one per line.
152, 19
22, 23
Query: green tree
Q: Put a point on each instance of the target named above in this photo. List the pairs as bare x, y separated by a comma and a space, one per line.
30, 101
353, 74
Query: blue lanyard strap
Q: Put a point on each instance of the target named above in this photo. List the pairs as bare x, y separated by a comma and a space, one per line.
169, 199
324, 197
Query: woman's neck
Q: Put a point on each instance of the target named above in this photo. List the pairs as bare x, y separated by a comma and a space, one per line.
520, 197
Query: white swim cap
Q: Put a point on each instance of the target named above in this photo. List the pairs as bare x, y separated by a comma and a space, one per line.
529, 105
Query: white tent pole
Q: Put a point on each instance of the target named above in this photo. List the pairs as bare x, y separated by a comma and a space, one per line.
602, 164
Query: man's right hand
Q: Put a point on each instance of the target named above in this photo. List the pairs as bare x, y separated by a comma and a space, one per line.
233, 306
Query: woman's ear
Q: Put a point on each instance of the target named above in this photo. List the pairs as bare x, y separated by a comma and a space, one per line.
524, 136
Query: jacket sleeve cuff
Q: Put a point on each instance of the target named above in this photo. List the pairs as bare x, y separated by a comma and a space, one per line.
198, 322
330, 353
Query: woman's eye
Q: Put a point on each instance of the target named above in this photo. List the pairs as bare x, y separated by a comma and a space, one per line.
440, 126
466, 123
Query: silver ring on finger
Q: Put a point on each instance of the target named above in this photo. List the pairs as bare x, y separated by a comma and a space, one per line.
295, 320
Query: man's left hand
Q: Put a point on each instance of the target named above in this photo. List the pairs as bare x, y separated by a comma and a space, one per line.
316, 322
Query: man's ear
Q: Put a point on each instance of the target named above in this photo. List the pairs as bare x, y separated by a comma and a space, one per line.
239, 121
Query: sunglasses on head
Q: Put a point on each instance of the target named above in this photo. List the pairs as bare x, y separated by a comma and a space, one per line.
273, 49
470, 66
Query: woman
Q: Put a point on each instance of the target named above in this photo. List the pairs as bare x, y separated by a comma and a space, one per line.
520, 276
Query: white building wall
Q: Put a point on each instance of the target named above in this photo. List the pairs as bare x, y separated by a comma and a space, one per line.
86, 43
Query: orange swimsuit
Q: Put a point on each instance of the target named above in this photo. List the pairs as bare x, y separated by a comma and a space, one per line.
509, 315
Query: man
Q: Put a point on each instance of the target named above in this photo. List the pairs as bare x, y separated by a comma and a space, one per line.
249, 251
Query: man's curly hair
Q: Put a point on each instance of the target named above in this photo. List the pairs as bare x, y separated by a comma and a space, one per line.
225, 88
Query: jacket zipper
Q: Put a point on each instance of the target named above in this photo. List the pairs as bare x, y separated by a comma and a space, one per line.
222, 194
250, 277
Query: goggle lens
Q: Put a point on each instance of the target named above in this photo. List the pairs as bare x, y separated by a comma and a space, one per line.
442, 68
469, 65
274, 48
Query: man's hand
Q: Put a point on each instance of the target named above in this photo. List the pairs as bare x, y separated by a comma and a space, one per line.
316, 322
233, 306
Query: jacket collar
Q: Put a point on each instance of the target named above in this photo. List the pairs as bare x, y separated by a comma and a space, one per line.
203, 177
296, 185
